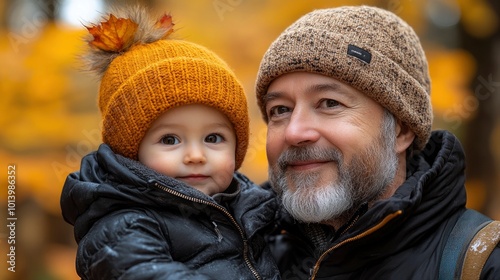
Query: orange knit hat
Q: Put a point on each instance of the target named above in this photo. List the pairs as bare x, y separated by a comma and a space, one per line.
148, 77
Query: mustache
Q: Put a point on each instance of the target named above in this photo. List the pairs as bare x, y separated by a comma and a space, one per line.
308, 153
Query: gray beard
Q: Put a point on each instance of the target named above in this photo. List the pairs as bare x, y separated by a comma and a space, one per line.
364, 180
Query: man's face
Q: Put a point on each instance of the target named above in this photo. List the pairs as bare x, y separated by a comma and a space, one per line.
329, 146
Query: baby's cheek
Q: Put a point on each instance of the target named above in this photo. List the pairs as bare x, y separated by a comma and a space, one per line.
231, 164
228, 171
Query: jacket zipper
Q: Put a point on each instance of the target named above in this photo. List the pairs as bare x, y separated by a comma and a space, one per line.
223, 210
216, 228
315, 269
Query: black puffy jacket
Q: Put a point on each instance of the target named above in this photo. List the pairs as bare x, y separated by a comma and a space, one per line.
398, 238
133, 223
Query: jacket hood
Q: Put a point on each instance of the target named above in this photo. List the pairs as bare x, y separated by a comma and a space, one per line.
108, 182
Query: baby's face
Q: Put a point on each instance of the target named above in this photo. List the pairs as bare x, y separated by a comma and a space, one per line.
192, 143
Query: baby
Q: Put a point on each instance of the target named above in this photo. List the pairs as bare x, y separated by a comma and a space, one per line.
161, 198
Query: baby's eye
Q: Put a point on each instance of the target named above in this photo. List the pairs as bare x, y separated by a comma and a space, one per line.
329, 103
169, 140
278, 110
214, 138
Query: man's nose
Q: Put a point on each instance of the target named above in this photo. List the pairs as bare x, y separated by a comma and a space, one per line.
194, 153
302, 128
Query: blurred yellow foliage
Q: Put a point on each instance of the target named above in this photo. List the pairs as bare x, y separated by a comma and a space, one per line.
451, 74
38, 121
478, 18
36, 108
476, 194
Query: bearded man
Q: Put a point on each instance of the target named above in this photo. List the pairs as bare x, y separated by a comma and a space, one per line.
368, 190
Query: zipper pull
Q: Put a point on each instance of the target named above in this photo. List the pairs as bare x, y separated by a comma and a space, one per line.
219, 235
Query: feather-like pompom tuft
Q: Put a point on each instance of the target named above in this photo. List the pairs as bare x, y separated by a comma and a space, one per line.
124, 28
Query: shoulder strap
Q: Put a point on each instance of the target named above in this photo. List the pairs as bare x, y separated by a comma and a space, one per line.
469, 223
479, 250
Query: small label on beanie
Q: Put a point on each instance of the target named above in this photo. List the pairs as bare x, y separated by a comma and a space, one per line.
358, 52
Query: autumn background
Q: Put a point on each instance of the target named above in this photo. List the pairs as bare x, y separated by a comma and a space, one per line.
49, 118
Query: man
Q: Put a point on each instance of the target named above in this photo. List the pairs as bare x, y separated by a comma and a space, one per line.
372, 191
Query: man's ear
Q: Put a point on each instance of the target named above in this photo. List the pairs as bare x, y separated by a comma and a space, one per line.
404, 137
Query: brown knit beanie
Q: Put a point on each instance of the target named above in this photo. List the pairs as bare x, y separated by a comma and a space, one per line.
143, 81
367, 48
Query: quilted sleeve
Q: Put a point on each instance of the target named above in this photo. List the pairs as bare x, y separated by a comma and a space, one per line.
128, 245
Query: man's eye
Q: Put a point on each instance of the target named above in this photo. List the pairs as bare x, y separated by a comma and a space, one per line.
278, 110
329, 103
214, 138
169, 140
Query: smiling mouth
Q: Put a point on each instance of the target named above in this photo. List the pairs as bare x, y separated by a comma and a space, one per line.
303, 166
193, 178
